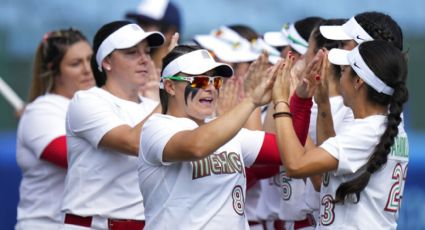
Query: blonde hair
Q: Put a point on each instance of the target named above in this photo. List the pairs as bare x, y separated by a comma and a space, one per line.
48, 58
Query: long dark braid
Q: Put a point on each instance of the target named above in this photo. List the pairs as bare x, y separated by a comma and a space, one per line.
389, 64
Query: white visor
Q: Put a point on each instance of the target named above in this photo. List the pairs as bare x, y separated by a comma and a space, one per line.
230, 47
227, 45
195, 63
277, 39
351, 30
126, 37
295, 40
355, 60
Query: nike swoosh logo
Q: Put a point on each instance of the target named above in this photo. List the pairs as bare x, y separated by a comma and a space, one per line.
355, 64
358, 37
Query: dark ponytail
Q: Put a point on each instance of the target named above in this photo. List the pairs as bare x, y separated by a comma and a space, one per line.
389, 64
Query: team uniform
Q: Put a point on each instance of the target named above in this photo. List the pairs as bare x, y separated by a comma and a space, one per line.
202, 194
380, 201
101, 183
299, 202
268, 206
42, 182
341, 116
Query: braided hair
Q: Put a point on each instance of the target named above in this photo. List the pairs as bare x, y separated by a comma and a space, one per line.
389, 64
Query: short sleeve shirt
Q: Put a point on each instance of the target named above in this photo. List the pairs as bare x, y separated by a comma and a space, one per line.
208, 193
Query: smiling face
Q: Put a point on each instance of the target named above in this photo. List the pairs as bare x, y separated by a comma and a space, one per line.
75, 71
193, 103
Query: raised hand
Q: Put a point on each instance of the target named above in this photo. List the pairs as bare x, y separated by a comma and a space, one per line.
151, 88
256, 74
310, 77
173, 42
228, 96
322, 91
262, 94
282, 73
296, 74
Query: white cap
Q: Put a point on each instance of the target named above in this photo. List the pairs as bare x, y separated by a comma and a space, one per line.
196, 62
126, 37
351, 30
229, 46
355, 60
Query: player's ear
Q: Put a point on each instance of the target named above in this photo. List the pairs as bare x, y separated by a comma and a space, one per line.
169, 87
106, 63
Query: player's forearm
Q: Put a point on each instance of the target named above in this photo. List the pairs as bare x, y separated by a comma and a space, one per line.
324, 123
254, 120
125, 139
210, 136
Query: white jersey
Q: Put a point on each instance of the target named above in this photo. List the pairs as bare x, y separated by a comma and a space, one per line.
102, 182
341, 116
252, 197
42, 182
380, 200
202, 194
268, 204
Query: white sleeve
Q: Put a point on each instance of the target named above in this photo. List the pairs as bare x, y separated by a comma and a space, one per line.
156, 133
44, 124
351, 148
251, 143
91, 117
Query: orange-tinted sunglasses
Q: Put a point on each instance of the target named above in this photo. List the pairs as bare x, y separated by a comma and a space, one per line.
200, 82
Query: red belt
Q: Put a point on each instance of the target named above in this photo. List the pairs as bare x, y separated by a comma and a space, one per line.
307, 222
113, 224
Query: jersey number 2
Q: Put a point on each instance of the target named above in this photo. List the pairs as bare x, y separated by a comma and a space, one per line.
396, 193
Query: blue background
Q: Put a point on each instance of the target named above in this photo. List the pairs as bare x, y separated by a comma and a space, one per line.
23, 23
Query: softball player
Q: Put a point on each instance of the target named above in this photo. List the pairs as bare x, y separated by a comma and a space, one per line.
61, 67
103, 129
292, 210
191, 173
240, 45
366, 162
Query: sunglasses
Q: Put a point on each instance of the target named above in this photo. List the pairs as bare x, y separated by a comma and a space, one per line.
200, 82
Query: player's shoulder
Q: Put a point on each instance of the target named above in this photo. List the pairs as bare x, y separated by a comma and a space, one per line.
48, 103
93, 92
168, 120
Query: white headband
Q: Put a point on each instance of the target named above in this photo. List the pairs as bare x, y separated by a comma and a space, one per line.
196, 62
365, 73
125, 37
355, 60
